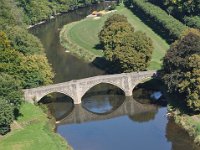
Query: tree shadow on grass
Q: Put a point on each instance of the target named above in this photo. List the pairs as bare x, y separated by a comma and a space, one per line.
98, 47
108, 66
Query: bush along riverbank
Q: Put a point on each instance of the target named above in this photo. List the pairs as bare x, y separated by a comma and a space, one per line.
33, 130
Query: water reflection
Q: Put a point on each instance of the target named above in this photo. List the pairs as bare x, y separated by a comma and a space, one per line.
66, 66
59, 105
142, 95
145, 116
103, 99
102, 104
129, 107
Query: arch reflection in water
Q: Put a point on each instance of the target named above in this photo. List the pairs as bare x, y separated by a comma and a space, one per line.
103, 99
130, 107
58, 104
103, 104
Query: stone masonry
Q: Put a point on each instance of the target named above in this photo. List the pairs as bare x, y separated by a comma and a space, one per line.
77, 88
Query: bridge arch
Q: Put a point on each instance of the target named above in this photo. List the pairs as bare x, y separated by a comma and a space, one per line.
84, 92
39, 96
57, 92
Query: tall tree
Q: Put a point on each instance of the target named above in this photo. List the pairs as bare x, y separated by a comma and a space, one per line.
31, 70
181, 69
126, 49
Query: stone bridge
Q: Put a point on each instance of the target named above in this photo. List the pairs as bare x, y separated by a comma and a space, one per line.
77, 88
129, 107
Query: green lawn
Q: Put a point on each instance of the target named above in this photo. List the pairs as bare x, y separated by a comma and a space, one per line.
85, 34
34, 132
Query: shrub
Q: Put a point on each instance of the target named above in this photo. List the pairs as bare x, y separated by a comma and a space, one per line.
6, 116
24, 42
192, 21
159, 18
181, 69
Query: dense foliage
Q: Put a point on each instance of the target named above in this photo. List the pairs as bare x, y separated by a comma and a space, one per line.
24, 42
182, 7
10, 90
159, 19
23, 63
40, 10
31, 70
6, 116
126, 49
10, 101
193, 22
188, 11
9, 14
181, 68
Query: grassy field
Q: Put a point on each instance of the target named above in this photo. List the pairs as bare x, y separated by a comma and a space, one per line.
32, 131
85, 34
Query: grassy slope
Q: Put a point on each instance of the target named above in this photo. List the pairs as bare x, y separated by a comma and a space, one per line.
33, 132
85, 34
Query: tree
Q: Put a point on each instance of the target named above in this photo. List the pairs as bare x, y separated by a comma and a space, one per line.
24, 42
31, 70
36, 71
10, 90
10, 14
183, 7
181, 69
10, 100
113, 35
6, 116
127, 50
115, 18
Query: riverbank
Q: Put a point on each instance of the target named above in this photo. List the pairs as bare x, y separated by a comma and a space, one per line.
81, 38
190, 123
33, 130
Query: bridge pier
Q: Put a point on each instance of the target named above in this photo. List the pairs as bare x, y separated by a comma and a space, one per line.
77, 101
128, 93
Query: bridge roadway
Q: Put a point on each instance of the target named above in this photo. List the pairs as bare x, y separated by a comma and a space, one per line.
77, 88
129, 107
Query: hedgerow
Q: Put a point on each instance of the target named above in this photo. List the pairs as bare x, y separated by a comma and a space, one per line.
160, 20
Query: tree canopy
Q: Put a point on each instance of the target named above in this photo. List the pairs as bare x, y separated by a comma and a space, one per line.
31, 70
127, 50
40, 10
23, 63
6, 116
181, 68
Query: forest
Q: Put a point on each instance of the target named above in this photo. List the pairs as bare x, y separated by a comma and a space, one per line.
187, 11
23, 63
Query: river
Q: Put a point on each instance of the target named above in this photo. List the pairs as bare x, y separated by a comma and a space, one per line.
106, 119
